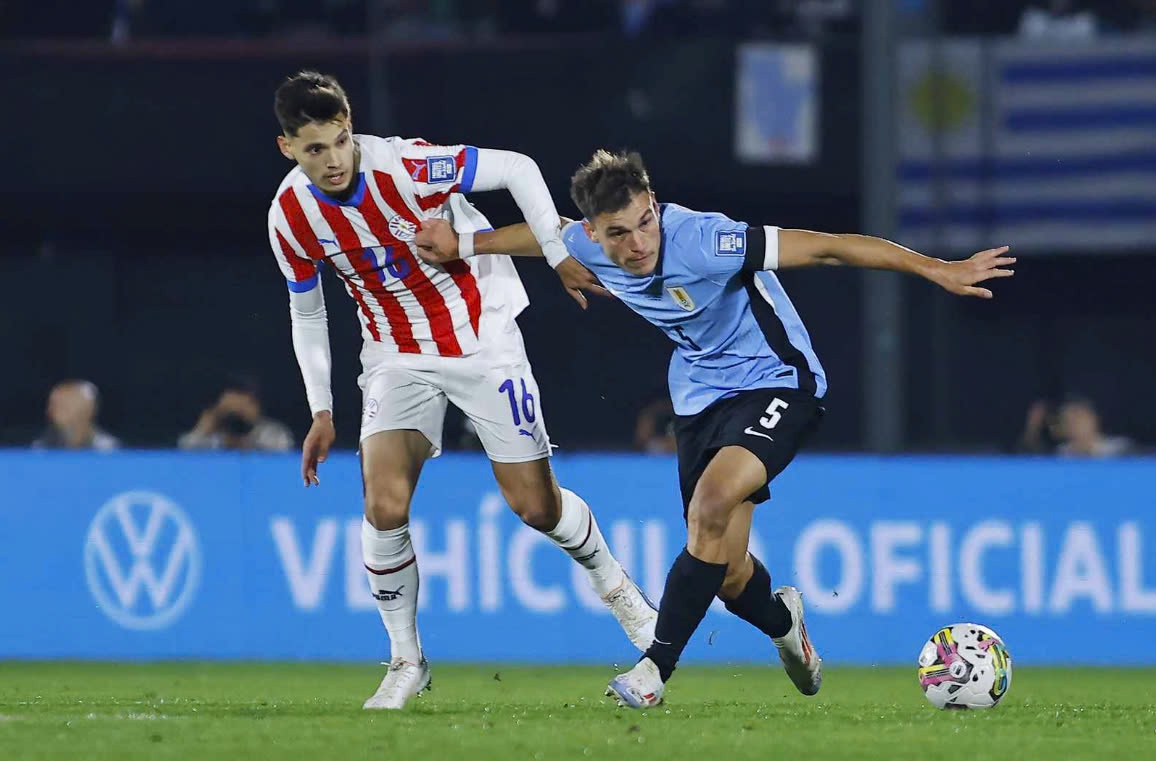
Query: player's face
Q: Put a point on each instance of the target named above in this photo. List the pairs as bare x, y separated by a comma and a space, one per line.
325, 152
630, 237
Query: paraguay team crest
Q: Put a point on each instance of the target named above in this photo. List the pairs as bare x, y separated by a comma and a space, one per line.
402, 229
681, 297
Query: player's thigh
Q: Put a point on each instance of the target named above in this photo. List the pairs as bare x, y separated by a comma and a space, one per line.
401, 426
730, 477
391, 462
401, 398
497, 391
717, 496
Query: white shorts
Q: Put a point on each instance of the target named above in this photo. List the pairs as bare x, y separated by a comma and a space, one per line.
494, 388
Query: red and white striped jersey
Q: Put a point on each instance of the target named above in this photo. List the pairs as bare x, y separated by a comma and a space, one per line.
404, 304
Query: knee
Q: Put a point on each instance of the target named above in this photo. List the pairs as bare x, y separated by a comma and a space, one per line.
710, 511
387, 503
539, 508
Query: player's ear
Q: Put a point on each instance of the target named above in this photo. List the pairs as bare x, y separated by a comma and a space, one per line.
590, 233
283, 145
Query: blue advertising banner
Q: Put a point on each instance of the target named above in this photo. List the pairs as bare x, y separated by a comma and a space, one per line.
146, 555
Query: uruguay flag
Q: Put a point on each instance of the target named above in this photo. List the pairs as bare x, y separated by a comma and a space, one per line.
1051, 148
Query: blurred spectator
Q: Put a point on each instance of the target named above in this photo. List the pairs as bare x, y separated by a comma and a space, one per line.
1057, 20
1071, 430
1078, 428
654, 431
71, 412
1037, 434
235, 421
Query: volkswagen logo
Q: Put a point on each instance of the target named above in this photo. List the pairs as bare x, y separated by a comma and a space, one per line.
142, 560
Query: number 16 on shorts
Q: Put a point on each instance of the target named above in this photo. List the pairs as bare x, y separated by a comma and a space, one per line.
521, 410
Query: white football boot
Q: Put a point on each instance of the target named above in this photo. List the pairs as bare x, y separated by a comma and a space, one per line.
800, 659
635, 613
641, 687
402, 681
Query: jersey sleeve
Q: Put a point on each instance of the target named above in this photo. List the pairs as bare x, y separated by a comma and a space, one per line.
578, 245
299, 270
439, 169
718, 248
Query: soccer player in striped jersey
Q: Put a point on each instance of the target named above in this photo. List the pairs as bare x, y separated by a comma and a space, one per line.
432, 334
746, 384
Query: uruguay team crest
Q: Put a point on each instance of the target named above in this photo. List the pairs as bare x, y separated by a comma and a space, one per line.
681, 297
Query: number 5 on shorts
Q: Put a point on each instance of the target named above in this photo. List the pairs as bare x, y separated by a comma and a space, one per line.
773, 415
507, 388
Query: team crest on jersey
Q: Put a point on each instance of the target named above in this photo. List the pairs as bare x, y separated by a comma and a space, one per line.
402, 229
681, 297
730, 243
440, 169
370, 411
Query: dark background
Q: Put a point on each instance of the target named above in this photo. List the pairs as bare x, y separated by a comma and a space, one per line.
133, 248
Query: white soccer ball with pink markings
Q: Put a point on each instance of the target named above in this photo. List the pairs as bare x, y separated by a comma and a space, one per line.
965, 666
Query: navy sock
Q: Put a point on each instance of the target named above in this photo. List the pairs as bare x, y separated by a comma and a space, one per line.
691, 585
759, 606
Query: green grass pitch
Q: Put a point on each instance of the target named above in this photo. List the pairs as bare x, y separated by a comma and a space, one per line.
230, 711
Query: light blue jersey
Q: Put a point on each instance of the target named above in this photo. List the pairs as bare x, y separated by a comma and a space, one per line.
735, 327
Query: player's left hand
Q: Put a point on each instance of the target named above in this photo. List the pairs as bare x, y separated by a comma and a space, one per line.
576, 278
962, 276
436, 241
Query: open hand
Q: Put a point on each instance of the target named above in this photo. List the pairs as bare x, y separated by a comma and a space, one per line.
961, 277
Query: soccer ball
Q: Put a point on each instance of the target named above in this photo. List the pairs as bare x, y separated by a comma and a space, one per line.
964, 666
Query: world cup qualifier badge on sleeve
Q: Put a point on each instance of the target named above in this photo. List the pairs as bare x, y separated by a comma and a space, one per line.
730, 243
441, 169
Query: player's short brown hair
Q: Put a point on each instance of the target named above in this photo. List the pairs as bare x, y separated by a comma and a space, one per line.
608, 182
306, 97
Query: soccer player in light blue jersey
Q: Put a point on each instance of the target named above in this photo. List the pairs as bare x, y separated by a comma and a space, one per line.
746, 384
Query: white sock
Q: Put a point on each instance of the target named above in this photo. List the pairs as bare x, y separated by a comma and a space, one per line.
577, 533
392, 570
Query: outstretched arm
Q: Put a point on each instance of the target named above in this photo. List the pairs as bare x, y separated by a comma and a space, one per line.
803, 248
438, 243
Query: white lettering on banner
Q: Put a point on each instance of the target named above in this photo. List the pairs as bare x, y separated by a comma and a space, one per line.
975, 590
839, 536
886, 538
1032, 567
306, 578
999, 568
1134, 598
358, 593
453, 564
939, 565
530, 595
490, 553
1080, 571
656, 561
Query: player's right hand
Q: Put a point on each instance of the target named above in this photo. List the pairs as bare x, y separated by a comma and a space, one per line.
576, 278
436, 241
316, 447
